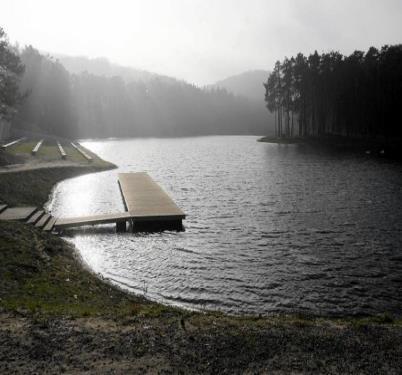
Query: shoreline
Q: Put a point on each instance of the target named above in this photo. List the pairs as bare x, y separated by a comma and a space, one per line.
375, 147
48, 294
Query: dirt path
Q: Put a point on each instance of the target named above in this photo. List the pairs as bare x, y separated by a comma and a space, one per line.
39, 164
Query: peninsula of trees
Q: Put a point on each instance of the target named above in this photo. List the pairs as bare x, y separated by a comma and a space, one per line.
330, 94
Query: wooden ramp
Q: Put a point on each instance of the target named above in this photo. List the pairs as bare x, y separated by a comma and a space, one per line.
92, 220
151, 208
30, 215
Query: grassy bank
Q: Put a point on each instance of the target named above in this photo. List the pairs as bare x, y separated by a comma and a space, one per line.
55, 316
33, 187
42, 274
32, 178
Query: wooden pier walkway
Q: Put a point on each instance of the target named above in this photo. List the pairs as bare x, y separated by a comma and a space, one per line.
92, 220
149, 205
148, 208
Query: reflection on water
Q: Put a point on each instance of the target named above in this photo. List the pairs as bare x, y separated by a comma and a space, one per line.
269, 227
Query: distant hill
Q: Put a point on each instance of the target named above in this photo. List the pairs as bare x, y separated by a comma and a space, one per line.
248, 84
105, 99
101, 66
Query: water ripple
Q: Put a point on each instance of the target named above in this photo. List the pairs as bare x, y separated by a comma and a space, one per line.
269, 228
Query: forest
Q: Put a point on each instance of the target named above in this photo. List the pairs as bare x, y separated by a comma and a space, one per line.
39, 95
359, 95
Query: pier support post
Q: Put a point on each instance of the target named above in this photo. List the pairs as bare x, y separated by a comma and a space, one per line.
131, 226
157, 226
121, 226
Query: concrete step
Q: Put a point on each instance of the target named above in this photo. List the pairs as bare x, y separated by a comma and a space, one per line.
17, 213
37, 147
50, 224
43, 221
2, 207
35, 217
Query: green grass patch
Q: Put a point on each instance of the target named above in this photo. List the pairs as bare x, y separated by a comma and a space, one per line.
33, 187
41, 275
49, 152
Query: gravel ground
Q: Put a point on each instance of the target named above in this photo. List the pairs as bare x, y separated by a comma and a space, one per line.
198, 344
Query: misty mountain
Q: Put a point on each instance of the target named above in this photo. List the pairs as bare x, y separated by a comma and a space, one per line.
248, 84
103, 67
81, 97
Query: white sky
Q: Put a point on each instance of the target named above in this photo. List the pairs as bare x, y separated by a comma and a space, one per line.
200, 41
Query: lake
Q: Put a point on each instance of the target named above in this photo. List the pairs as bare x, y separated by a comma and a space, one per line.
269, 228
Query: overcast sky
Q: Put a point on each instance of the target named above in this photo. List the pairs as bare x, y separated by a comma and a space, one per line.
200, 41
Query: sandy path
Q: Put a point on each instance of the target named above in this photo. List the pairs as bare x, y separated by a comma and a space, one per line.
39, 164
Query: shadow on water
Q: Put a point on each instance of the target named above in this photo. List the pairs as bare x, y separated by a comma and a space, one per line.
111, 230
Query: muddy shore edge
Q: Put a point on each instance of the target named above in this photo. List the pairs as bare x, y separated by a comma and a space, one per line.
57, 316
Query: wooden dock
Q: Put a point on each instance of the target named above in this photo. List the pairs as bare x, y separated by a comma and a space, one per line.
92, 220
151, 208
148, 208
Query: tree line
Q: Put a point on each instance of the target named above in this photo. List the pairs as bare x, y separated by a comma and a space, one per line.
11, 70
39, 95
359, 95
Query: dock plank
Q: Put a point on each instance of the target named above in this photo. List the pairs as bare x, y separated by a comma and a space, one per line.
35, 217
43, 221
17, 213
146, 200
50, 224
92, 220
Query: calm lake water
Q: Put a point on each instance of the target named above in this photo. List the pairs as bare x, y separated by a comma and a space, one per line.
270, 227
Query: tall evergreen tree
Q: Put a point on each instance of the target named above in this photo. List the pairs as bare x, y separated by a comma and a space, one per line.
11, 70
357, 95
